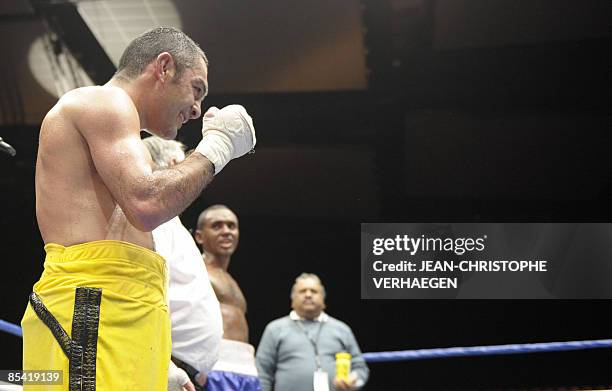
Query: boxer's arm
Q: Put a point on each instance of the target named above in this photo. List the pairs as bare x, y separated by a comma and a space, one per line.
111, 129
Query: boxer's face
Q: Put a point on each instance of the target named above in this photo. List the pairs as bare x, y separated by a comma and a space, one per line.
181, 98
220, 233
307, 298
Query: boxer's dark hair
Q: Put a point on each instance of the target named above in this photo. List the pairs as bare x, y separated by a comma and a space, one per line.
146, 47
204, 214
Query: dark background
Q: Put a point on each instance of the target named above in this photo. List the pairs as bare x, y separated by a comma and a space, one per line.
497, 116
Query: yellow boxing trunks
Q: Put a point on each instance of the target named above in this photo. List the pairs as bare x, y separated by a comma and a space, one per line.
99, 313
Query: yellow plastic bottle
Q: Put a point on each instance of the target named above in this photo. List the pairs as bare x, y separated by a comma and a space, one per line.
343, 365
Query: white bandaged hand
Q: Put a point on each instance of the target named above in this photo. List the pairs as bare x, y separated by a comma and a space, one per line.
226, 134
177, 378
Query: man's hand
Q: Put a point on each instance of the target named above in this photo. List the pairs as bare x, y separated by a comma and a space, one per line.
201, 378
346, 384
178, 380
226, 134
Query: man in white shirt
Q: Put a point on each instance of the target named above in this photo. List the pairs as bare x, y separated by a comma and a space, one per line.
194, 309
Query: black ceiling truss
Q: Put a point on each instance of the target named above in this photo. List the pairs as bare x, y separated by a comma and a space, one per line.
64, 22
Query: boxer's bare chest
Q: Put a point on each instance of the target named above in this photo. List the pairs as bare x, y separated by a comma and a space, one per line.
227, 290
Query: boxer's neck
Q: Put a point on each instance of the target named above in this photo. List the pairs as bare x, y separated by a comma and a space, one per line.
134, 89
218, 261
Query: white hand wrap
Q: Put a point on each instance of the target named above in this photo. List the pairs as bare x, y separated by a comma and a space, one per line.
226, 134
176, 378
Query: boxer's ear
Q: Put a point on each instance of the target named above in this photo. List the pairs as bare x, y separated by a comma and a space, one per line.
198, 237
165, 67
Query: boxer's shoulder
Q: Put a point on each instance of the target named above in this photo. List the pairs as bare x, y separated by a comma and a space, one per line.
89, 109
96, 100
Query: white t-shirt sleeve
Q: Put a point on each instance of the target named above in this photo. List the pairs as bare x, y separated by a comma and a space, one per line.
197, 326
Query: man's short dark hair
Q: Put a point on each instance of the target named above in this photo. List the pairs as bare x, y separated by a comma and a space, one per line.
204, 214
146, 47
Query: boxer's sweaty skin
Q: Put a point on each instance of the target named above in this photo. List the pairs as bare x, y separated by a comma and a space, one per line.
93, 174
233, 305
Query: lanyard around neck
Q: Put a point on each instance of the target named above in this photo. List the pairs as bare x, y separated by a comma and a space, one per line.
314, 342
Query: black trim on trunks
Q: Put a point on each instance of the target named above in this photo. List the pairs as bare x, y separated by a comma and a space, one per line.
49, 320
81, 349
85, 332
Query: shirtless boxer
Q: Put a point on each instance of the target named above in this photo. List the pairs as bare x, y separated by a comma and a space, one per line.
217, 232
99, 311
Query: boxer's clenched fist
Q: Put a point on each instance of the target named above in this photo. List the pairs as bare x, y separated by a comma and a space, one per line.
226, 134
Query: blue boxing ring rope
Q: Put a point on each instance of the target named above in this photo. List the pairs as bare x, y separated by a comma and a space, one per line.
423, 354
10, 328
